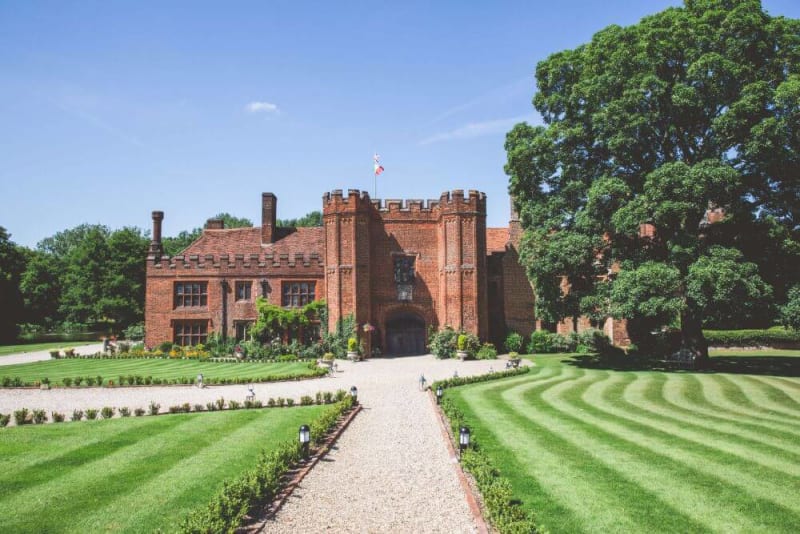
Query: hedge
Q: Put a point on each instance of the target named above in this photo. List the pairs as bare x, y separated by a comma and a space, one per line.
505, 513
461, 381
239, 497
752, 338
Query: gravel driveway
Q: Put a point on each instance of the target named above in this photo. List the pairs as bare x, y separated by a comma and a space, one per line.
389, 472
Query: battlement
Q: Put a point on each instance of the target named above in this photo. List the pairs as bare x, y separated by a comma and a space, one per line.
258, 263
450, 201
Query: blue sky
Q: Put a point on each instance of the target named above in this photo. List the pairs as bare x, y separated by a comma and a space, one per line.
109, 110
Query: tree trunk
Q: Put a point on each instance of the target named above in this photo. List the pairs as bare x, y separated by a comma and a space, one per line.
692, 337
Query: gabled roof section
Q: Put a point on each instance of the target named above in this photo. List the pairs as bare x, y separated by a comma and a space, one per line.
248, 241
496, 239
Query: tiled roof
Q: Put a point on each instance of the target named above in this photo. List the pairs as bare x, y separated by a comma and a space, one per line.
248, 241
496, 239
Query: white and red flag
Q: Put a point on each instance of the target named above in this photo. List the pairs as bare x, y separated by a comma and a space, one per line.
378, 167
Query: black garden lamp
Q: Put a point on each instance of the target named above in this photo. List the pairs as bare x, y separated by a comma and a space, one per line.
354, 394
305, 439
439, 393
463, 439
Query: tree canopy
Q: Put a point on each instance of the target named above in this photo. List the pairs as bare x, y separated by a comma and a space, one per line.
313, 218
651, 134
12, 265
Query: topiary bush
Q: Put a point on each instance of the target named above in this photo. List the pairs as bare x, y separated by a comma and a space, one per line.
776, 336
514, 342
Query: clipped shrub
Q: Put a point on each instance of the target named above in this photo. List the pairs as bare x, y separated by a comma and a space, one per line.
175, 409
306, 400
57, 417
77, 415
138, 412
21, 416
211, 407
67, 381
89, 381
38, 416
318, 398
199, 407
107, 412
486, 352
442, 344
154, 408
280, 402
327, 397
514, 342
461, 342
289, 402
234, 405
91, 414
125, 412
77, 380
4, 420
220, 403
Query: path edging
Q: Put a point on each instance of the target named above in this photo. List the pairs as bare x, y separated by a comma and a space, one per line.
472, 501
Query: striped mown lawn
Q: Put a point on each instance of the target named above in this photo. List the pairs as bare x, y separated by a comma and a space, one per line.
111, 369
593, 450
132, 474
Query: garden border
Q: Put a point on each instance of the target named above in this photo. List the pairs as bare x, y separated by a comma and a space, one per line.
271, 509
470, 490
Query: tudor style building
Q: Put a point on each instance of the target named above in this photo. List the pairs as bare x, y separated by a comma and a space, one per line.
402, 266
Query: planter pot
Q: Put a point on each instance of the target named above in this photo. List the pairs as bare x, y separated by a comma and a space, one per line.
353, 356
462, 355
325, 363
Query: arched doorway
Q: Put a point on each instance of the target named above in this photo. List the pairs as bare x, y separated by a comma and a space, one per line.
405, 334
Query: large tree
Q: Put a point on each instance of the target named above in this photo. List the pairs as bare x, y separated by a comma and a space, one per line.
12, 265
651, 133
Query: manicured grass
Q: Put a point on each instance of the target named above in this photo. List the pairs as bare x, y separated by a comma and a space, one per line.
597, 450
133, 474
5, 350
111, 369
762, 352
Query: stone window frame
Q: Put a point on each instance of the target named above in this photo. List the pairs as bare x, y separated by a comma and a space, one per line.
189, 332
195, 297
298, 293
243, 290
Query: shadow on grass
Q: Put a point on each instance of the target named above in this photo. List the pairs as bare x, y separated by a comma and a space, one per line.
750, 365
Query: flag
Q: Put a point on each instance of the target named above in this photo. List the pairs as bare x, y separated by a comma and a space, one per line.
378, 167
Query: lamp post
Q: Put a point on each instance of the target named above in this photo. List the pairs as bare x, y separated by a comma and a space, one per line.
305, 439
463, 439
354, 394
439, 393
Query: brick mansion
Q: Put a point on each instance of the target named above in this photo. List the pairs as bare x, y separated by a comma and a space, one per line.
401, 266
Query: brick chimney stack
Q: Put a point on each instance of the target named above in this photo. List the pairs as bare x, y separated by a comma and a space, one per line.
215, 224
156, 249
269, 210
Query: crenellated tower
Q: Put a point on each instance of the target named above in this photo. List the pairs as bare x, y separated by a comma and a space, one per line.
462, 261
346, 220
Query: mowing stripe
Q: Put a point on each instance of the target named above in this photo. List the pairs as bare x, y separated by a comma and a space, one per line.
75, 457
713, 457
172, 491
644, 454
678, 392
595, 496
767, 395
736, 397
112, 475
647, 396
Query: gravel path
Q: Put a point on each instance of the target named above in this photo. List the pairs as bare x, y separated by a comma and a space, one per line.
389, 472
39, 355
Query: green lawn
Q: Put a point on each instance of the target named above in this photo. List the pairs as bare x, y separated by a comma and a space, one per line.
595, 450
111, 369
5, 350
133, 474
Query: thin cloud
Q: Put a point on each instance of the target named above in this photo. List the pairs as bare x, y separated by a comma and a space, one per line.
262, 107
476, 129
498, 94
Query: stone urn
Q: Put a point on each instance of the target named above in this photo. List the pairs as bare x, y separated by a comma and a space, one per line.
462, 354
352, 356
